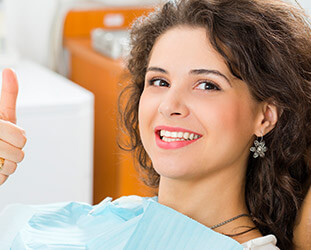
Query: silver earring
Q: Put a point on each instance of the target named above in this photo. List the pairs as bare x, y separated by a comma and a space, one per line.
259, 149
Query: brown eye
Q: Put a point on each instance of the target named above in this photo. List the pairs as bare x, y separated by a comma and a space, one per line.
158, 83
207, 86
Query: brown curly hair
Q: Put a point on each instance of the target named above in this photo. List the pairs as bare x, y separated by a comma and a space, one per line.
267, 44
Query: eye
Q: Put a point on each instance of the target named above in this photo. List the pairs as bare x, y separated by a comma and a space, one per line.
207, 85
158, 83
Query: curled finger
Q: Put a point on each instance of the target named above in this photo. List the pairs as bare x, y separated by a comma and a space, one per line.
3, 178
10, 152
12, 134
8, 167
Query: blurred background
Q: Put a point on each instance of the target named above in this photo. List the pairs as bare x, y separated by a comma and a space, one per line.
69, 59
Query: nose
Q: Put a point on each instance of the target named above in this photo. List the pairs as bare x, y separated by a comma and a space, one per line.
173, 105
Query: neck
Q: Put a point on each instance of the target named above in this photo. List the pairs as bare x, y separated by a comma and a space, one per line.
209, 200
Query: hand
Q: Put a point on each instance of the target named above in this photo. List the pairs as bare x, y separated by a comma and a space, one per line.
12, 138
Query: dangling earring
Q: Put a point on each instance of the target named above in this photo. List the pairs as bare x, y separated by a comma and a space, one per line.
259, 149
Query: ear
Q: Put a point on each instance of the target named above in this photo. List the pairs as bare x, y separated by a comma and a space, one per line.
267, 119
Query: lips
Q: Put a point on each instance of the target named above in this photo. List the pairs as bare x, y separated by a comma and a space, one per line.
174, 137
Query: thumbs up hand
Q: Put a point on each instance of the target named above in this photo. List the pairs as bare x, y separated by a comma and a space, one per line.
12, 138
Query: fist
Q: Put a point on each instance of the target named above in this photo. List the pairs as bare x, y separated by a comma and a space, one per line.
12, 138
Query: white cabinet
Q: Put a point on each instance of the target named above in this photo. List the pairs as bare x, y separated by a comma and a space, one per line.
58, 118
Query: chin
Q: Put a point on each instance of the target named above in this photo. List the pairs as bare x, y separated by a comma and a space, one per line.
175, 170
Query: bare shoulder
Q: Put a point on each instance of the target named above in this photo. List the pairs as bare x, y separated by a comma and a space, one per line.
302, 231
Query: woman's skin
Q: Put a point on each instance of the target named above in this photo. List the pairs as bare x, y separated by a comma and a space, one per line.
12, 138
205, 179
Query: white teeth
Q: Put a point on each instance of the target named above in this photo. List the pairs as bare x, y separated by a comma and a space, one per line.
169, 136
174, 134
186, 135
162, 132
172, 139
191, 136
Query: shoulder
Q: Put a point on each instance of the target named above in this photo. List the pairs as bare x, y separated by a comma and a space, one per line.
302, 231
267, 242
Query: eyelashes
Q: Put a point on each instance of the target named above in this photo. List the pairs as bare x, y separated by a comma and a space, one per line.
158, 82
208, 85
201, 85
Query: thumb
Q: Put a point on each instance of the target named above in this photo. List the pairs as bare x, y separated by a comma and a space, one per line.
8, 96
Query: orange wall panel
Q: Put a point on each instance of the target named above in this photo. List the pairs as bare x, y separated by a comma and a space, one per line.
79, 23
114, 173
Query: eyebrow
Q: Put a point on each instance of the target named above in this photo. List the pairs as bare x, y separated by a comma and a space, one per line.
194, 72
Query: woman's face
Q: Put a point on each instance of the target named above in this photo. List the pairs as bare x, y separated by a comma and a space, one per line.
195, 118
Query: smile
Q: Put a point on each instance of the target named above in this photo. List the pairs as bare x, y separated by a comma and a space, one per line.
177, 136
172, 138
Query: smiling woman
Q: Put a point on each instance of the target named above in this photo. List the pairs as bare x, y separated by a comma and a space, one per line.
218, 116
224, 72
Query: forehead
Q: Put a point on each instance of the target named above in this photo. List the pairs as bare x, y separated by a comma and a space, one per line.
183, 48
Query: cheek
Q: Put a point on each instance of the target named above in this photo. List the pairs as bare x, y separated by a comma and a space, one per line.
146, 110
142, 114
228, 118
228, 130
